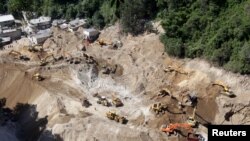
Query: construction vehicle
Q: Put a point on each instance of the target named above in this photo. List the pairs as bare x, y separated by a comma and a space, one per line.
173, 69
191, 120
18, 55
38, 77
113, 116
85, 102
44, 61
159, 108
117, 44
116, 101
103, 100
226, 89
101, 42
164, 92
173, 128
35, 48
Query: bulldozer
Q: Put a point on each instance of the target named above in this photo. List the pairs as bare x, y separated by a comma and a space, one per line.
226, 89
173, 69
116, 101
18, 55
38, 77
158, 108
44, 62
103, 100
113, 116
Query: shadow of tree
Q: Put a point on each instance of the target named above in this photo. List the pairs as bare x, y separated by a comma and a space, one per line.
24, 117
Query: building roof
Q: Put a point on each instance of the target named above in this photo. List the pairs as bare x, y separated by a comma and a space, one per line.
90, 30
5, 18
40, 20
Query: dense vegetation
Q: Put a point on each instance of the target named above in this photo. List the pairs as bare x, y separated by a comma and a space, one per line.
217, 30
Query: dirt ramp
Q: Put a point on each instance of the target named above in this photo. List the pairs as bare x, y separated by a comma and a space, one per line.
17, 86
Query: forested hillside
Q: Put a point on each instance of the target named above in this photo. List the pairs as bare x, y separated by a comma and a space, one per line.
217, 30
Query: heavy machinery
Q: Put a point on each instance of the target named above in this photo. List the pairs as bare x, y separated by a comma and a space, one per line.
191, 120
173, 69
38, 77
35, 48
44, 61
116, 101
226, 89
172, 128
164, 92
103, 100
101, 42
18, 55
159, 108
113, 116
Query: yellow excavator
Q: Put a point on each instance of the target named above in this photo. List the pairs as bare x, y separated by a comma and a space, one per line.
38, 77
113, 116
226, 89
18, 55
191, 120
44, 62
116, 101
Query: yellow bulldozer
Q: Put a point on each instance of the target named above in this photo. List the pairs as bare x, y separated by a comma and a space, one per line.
226, 89
38, 77
159, 108
116, 101
44, 61
113, 116
18, 55
101, 42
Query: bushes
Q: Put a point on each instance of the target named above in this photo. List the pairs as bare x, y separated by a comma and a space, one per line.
216, 30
